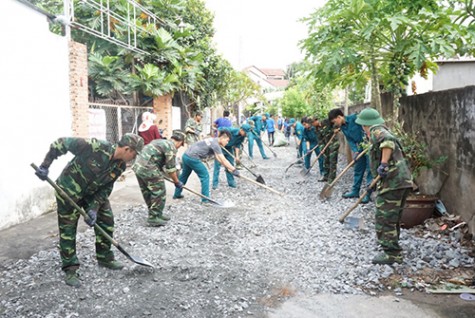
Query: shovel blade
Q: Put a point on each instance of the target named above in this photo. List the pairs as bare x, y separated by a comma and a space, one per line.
260, 179
304, 171
135, 259
326, 192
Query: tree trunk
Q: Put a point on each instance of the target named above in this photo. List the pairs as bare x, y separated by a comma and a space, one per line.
375, 93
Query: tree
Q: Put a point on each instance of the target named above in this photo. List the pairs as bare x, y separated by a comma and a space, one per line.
387, 40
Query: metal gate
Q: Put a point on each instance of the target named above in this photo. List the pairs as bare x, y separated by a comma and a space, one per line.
110, 122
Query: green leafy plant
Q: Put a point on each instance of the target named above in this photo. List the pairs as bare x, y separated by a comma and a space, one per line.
416, 152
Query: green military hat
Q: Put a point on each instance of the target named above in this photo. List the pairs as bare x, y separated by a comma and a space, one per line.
292, 121
178, 135
267, 115
133, 141
369, 117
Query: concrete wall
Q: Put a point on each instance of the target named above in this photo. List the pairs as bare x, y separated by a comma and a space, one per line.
35, 109
445, 121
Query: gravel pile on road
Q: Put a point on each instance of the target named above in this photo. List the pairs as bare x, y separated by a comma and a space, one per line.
227, 262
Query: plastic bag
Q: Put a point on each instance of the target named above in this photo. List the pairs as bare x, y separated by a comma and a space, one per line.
279, 139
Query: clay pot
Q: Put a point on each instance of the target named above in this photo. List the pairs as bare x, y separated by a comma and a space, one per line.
418, 208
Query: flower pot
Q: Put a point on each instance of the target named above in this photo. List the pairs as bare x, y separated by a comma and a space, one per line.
418, 208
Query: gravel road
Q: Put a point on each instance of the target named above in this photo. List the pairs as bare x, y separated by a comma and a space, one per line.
230, 262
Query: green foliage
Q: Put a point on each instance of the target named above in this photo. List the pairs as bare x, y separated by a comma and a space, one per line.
391, 40
294, 103
110, 79
416, 152
179, 46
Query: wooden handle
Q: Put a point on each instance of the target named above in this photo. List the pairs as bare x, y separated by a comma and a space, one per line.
260, 185
344, 215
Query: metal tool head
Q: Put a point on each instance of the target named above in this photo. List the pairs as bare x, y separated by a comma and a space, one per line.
304, 172
326, 192
135, 259
260, 179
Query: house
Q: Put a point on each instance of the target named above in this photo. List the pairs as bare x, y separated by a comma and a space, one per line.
271, 80
452, 73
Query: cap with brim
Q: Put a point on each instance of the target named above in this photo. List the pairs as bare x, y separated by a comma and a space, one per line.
369, 117
292, 121
133, 141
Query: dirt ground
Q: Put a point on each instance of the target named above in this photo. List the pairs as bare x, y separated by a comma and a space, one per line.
267, 256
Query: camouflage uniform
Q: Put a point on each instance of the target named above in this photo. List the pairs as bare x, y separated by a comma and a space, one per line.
191, 138
392, 189
158, 155
330, 163
88, 179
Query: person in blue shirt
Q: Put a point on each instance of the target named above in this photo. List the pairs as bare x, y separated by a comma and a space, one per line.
280, 123
355, 135
255, 134
233, 147
298, 132
287, 130
222, 122
270, 126
310, 138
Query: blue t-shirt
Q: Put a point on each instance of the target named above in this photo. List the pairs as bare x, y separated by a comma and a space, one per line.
223, 122
270, 125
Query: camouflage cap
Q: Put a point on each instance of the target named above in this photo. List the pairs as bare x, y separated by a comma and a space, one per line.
178, 135
133, 141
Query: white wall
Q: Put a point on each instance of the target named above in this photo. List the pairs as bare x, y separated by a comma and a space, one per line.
454, 75
34, 86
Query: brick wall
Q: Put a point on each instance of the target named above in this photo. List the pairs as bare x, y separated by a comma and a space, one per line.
162, 107
78, 88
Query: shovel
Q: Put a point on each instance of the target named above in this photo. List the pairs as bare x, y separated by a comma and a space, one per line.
260, 185
344, 215
135, 259
304, 170
259, 178
258, 137
328, 188
249, 157
198, 194
300, 159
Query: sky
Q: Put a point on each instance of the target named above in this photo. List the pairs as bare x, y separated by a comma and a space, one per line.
264, 33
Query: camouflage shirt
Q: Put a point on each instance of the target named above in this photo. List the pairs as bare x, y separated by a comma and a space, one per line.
191, 138
399, 175
90, 175
326, 133
158, 155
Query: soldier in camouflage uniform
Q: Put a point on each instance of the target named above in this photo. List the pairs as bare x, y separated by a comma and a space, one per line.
157, 157
311, 136
387, 160
88, 179
330, 160
193, 129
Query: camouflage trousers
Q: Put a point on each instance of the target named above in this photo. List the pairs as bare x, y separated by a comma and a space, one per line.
389, 206
154, 193
68, 218
330, 162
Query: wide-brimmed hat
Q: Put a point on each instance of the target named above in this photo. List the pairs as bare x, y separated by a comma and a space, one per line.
147, 121
369, 117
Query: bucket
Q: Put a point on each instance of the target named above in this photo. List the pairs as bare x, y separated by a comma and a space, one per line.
418, 208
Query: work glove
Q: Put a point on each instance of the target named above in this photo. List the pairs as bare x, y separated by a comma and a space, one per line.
236, 173
42, 172
179, 185
355, 155
383, 170
91, 218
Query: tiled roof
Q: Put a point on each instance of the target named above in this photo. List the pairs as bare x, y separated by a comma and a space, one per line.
272, 71
278, 83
